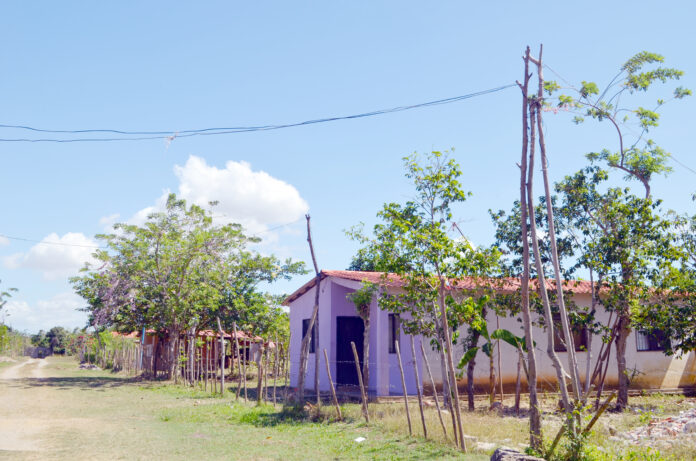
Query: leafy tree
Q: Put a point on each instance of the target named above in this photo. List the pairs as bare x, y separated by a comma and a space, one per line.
624, 232
176, 273
362, 299
57, 339
412, 241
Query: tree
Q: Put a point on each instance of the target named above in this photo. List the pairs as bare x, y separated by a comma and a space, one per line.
362, 299
57, 339
173, 274
412, 241
607, 216
4, 297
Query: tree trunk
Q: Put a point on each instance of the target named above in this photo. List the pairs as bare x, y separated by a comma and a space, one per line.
621, 337
172, 354
491, 374
534, 410
470, 371
366, 352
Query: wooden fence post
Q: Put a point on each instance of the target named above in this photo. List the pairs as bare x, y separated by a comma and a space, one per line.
239, 359
432, 383
333, 390
363, 395
403, 385
275, 369
420, 396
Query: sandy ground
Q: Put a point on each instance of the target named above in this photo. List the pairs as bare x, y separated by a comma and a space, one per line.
21, 423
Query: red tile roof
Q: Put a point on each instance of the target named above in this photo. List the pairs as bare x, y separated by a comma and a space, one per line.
502, 285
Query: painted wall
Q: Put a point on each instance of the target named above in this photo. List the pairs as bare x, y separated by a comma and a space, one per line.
385, 378
654, 368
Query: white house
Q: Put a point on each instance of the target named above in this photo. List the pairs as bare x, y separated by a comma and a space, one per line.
339, 324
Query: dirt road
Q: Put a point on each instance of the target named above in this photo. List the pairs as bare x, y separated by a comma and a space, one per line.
21, 422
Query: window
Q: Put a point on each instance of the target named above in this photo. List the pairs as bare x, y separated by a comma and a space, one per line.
655, 341
305, 326
579, 336
394, 328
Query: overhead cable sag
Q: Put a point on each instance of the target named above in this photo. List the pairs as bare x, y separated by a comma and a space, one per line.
125, 135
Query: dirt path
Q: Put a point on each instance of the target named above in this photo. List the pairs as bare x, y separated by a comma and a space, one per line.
19, 430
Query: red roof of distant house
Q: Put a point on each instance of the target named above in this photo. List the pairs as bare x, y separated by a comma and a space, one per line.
502, 285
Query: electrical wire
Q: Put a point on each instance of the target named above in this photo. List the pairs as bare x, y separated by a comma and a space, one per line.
43, 242
174, 134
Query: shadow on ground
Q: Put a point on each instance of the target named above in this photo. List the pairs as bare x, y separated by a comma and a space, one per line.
71, 383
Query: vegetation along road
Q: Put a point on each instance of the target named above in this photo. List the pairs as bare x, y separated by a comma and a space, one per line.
51, 409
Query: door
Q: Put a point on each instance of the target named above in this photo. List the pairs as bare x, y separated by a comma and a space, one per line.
348, 329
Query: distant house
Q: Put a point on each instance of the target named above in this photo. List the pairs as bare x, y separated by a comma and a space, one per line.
339, 324
155, 347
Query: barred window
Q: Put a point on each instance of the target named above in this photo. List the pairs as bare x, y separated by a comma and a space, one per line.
655, 341
394, 327
579, 336
305, 326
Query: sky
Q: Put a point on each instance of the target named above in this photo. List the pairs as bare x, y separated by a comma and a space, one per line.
172, 66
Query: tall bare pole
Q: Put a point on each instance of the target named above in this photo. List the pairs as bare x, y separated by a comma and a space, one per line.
570, 346
314, 319
534, 411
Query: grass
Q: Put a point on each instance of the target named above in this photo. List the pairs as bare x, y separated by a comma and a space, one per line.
92, 414
100, 415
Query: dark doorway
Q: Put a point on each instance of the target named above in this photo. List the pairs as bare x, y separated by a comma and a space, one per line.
348, 329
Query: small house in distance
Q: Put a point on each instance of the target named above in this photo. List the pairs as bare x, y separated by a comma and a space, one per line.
339, 325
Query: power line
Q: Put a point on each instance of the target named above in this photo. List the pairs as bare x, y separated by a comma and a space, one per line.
174, 134
43, 242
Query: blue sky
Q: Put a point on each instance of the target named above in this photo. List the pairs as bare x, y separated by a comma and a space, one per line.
181, 65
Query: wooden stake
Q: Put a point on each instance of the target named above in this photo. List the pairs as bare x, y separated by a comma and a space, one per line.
239, 359
420, 396
259, 385
333, 391
403, 386
432, 383
363, 395
222, 358
275, 369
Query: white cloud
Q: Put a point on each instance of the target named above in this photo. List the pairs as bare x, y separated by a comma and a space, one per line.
254, 199
59, 310
4, 241
55, 257
107, 222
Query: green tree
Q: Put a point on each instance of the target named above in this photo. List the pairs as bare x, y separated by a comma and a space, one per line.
173, 274
412, 242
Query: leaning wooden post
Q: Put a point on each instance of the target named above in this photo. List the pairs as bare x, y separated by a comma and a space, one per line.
403, 386
420, 395
333, 390
266, 366
432, 383
363, 395
222, 358
207, 362
275, 369
259, 385
246, 349
239, 359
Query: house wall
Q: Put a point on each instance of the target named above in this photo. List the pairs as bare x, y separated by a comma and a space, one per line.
384, 377
654, 368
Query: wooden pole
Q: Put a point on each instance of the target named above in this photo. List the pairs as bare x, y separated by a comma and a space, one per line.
266, 366
432, 383
222, 358
259, 384
420, 395
239, 359
403, 386
333, 390
207, 362
246, 350
275, 369
363, 395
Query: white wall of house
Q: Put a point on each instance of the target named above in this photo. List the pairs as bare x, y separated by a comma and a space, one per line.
654, 369
385, 378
